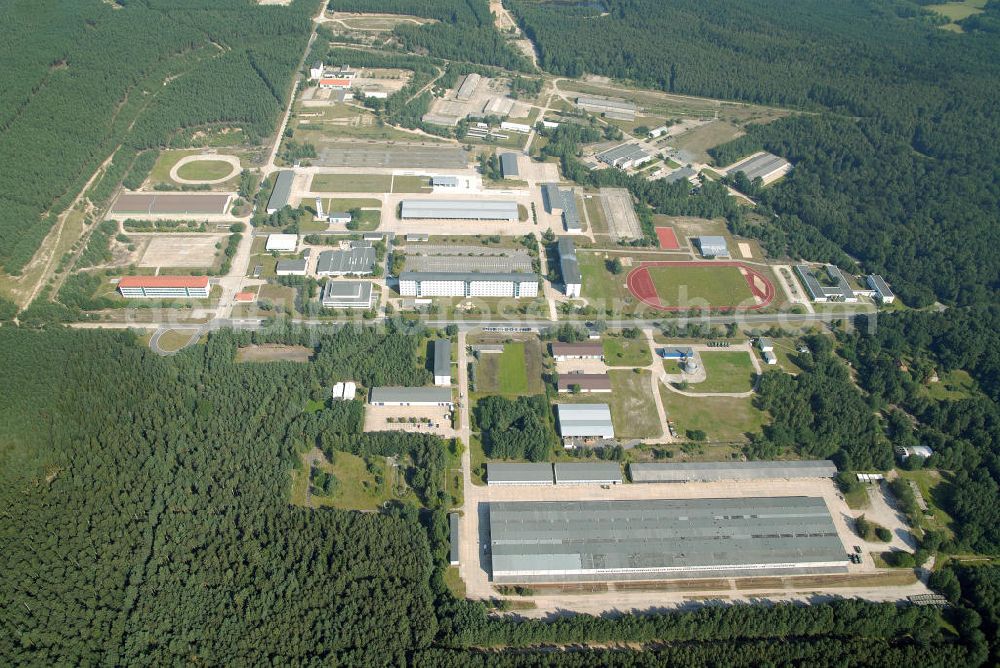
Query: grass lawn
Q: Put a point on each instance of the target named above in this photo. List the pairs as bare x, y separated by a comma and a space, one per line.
160, 173
351, 183
721, 418
348, 203
175, 339
598, 282
205, 170
619, 351
933, 486
454, 582
694, 286
368, 220
956, 11
595, 213
411, 184
952, 386
478, 457
726, 371
515, 371
357, 487
704, 137
633, 410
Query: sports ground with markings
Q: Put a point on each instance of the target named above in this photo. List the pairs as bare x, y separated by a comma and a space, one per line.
682, 286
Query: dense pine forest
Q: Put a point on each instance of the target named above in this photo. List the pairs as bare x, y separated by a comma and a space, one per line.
147, 519
899, 165
84, 79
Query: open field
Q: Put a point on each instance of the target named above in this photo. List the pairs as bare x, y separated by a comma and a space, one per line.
951, 386
205, 170
351, 183
318, 125
598, 282
721, 418
619, 351
633, 411
698, 140
595, 213
273, 353
358, 487
933, 487
726, 371
956, 11
175, 339
348, 203
508, 372
181, 251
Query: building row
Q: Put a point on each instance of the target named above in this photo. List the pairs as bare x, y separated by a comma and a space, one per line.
839, 290
570, 473
467, 284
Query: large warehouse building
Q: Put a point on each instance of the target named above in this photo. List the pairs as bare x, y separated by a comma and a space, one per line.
410, 396
585, 421
347, 294
612, 107
625, 156
714, 471
358, 260
586, 541
764, 166
442, 362
447, 209
467, 284
163, 287
282, 191
569, 267
518, 474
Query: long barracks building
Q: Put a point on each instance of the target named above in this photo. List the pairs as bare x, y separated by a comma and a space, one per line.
467, 284
163, 287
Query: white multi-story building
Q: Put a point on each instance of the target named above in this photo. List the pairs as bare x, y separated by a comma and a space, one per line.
163, 287
467, 284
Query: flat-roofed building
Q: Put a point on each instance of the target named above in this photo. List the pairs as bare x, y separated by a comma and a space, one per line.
570, 213
612, 107
335, 83
515, 127
359, 261
678, 174
765, 345
811, 285
769, 358
586, 382
625, 156
291, 267
577, 351
518, 474
585, 421
411, 396
417, 237
475, 209
348, 294
569, 267
588, 473
343, 217
281, 192
713, 246
453, 551
281, 243
716, 471
600, 541
764, 166
444, 181
442, 362
467, 284
508, 165
164, 287
679, 353
468, 87
881, 288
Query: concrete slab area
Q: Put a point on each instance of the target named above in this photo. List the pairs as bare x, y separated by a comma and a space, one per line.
180, 251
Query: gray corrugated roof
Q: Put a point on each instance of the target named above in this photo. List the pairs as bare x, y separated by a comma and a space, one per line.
588, 472
442, 357
410, 395
513, 473
678, 174
614, 540
566, 247
570, 269
508, 164
809, 281
291, 265
585, 420
459, 209
693, 471
586, 381
608, 102
282, 191
453, 525
551, 197
570, 214
444, 180
464, 276
357, 260
713, 245
878, 284
761, 166
622, 152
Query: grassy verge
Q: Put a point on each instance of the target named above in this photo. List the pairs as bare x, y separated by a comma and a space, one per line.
726, 371
619, 351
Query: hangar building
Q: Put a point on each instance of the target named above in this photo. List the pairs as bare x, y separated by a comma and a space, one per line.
416, 209
714, 471
587, 541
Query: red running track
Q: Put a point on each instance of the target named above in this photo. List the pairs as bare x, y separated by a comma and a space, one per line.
640, 284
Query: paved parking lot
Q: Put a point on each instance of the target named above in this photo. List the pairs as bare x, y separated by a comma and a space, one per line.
377, 419
392, 155
195, 250
623, 223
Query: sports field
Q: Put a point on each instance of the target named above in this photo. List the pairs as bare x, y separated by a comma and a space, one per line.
667, 238
680, 286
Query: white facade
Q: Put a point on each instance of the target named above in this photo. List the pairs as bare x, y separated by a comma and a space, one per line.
155, 292
573, 289
515, 127
281, 243
316, 71
467, 285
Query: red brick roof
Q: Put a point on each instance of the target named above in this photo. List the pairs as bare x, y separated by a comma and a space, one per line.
163, 282
346, 83
586, 381
246, 296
